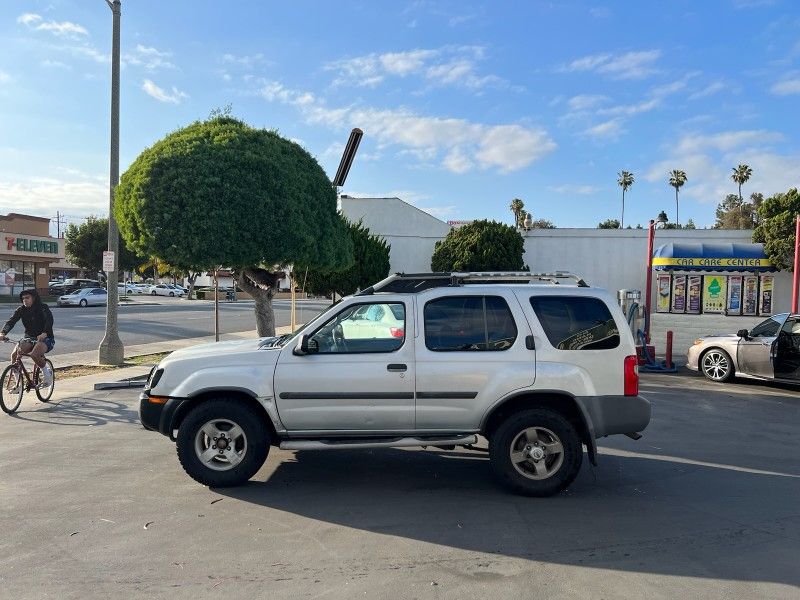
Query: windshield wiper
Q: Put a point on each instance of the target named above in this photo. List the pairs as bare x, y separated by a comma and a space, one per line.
275, 342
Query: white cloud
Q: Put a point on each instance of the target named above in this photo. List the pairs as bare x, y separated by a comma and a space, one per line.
55, 64
151, 89
630, 109
726, 140
454, 66
586, 101
62, 29
711, 89
149, 58
569, 188
464, 144
4, 77
786, 87
243, 61
607, 129
631, 65
42, 196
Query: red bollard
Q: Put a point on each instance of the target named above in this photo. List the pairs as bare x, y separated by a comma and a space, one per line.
668, 362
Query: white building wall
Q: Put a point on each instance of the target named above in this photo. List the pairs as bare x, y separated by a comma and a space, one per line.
411, 232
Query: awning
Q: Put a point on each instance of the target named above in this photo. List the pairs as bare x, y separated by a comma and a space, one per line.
711, 257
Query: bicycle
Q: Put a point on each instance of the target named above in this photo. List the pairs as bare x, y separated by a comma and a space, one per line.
16, 380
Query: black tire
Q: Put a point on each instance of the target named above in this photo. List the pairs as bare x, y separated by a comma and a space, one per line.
10, 402
152, 293
553, 431
191, 439
44, 394
172, 294
716, 365
83, 303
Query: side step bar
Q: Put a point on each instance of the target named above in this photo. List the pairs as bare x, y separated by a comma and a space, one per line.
406, 442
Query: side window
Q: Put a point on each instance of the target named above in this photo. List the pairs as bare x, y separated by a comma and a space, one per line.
353, 330
768, 328
576, 322
469, 323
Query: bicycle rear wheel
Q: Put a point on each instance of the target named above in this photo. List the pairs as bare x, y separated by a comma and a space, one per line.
12, 387
44, 393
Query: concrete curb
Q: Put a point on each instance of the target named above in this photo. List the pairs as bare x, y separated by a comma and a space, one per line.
119, 385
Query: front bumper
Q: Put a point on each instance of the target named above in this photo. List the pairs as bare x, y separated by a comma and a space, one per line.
610, 415
158, 416
693, 356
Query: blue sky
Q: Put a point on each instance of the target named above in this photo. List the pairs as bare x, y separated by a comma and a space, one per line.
464, 105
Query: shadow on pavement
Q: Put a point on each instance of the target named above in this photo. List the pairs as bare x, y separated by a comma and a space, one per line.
79, 412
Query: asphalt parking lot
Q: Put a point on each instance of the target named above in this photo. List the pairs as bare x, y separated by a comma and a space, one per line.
705, 505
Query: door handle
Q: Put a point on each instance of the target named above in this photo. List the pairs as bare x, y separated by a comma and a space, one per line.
396, 367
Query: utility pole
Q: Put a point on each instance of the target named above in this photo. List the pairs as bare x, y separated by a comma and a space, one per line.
111, 351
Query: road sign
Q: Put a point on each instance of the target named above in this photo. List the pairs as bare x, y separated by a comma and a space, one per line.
108, 261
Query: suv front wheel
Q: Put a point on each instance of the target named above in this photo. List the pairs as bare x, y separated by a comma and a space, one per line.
222, 443
535, 452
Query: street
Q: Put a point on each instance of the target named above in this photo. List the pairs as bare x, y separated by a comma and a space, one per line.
81, 329
704, 505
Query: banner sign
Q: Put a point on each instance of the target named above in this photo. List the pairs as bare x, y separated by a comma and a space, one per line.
711, 263
714, 293
765, 298
663, 284
679, 294
734, 295
695, 287
750, 295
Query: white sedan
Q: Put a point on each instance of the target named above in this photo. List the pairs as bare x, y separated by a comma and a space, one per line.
85, 297
129, 288
162, 289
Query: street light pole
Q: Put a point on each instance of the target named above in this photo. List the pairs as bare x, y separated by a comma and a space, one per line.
648, 293
111, 351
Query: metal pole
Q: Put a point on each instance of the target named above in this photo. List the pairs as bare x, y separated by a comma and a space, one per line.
796, 275
651, 233
111, 351
216, 306
293, 314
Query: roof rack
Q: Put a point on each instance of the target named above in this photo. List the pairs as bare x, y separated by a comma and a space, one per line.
417, 282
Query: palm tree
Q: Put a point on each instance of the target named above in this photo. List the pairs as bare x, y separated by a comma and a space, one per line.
677, 179
625, 181
516, 207
740, 175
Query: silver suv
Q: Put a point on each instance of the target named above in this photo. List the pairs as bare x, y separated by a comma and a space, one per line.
539, 364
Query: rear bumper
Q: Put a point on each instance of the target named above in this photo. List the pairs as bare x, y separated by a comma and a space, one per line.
609, 415
157, 416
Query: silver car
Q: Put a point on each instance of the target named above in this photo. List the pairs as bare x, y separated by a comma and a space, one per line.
771, 350
85, 297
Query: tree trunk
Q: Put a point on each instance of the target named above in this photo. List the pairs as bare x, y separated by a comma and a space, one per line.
192, 279
622, 222
677, 214
261, 285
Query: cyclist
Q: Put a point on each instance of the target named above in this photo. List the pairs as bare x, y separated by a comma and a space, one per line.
38, 322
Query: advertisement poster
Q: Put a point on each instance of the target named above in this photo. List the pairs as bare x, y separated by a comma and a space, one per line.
714, 293
750, 295
663, 284
765, 304
679, 294
735, 295
695, 286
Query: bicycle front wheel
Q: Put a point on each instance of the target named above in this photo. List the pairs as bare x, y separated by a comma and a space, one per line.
43, 393
12, 387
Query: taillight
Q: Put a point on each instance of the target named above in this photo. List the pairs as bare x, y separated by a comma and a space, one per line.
397, 332
631, 376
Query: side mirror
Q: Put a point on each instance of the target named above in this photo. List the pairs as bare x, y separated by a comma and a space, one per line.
743, 333
306, 345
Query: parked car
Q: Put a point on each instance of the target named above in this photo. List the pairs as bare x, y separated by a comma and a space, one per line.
163, 289
538, 370
129, 288
70, 285
771, 350
85, 297
178, 288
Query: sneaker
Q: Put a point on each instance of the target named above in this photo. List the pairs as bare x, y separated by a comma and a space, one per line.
47, 377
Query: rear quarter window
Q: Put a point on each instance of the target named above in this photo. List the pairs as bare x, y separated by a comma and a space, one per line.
576, 322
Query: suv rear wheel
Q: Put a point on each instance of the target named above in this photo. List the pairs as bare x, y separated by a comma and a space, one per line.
535, 452
222, 443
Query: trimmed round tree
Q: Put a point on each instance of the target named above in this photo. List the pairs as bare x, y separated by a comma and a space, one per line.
480, 246
371, 265
221, 193
777, 227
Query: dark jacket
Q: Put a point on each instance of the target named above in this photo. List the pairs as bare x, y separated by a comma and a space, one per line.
37, 319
